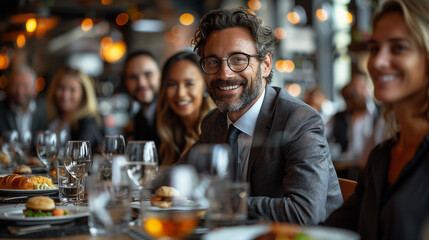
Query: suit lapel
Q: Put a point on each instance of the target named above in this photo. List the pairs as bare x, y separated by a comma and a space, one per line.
262, 128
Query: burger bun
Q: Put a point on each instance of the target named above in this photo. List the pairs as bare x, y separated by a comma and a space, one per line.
40, 203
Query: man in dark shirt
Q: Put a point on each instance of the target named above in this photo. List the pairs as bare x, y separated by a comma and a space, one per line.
142, 80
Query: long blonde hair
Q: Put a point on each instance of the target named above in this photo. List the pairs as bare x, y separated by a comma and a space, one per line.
171, 129
88, 106
415, 13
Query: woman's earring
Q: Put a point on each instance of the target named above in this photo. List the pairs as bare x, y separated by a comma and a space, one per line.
205, 94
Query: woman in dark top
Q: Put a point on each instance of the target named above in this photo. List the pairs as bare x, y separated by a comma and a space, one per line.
72, 107
391, 200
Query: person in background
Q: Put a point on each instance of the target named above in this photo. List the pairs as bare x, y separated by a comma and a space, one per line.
353, 127
142, 80
391, 199
72, 107
21, 110
282, 150
182, 104
316, 98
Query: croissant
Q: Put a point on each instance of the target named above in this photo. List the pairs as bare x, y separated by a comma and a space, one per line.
16, 181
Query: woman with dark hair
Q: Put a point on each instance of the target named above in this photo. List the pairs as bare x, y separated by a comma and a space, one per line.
391, 200
182, 104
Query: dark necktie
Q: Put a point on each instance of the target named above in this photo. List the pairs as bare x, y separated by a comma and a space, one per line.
233, 133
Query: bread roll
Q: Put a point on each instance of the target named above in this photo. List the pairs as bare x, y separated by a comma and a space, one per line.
22, 169
166, 191
16, 181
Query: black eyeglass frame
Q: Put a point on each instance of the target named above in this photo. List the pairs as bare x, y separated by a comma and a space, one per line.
227, 62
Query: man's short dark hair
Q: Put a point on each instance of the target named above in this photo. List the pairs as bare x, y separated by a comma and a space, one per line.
139, 53
219, 19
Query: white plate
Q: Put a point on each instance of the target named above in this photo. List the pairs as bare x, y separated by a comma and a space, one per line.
14, 213
250, 232
28, 192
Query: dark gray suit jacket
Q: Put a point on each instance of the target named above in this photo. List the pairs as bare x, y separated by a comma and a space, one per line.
38, 122
290, 171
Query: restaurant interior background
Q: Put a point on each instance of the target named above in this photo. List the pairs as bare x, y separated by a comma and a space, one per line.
318, 39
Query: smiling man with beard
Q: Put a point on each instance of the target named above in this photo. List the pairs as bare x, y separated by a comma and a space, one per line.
282, 151
142, 80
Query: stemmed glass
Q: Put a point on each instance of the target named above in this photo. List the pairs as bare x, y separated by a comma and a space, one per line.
212, 161
142, 165
178, 221
78, 161
112, 145
10, 146
47, 148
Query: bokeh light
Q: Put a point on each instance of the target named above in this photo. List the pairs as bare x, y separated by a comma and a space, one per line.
186, 19
20, 40
348, 17
293, 89
31, 25
40, 84
4, 61
87, 24
285, 66
106, 2
280, 33
113, 52
122, 19
254, 4
321, 15
293, 17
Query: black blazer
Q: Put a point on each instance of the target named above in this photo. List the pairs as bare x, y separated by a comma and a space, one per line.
88, 129
378, 211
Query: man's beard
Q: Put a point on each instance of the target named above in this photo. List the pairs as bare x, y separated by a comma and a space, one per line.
250, 93
145, 101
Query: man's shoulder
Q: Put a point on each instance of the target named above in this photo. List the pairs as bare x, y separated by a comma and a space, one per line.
283, 101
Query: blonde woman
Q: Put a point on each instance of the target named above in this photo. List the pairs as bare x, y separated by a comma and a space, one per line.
72, 107
182, 105
391, 200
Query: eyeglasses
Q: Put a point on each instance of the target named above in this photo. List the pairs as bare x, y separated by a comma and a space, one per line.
237, 62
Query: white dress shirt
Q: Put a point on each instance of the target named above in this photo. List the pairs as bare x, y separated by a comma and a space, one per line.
246, 124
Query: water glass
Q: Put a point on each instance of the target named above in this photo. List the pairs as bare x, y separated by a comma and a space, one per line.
67, 185
78, 161
228, 204
47, 149
109, 198
142, 165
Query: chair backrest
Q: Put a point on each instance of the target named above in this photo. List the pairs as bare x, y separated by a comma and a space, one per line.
347, 187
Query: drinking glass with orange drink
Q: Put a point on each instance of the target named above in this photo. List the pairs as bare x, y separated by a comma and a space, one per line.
177, 205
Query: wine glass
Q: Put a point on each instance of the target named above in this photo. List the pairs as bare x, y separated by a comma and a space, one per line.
112, 145
179, 220
78, 161
142, 165
10, 142
47, 149
212, 161
109, 198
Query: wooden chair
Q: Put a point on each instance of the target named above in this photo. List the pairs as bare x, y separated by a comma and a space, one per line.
347, 187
